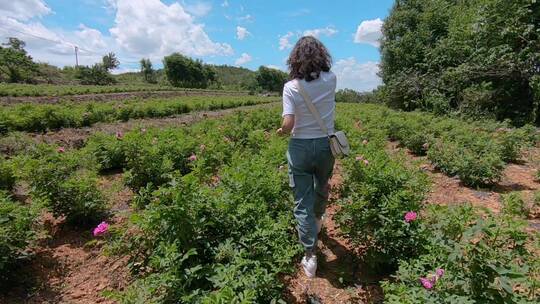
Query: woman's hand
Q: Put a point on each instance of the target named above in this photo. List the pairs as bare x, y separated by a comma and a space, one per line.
286, 126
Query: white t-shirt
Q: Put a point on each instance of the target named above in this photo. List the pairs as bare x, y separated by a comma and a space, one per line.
323, 94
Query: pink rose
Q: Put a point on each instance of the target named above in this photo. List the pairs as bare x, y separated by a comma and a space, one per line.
366, 162
428, 284
102, 228
61, 150
192, 158
119, 135
439, 273
410, 216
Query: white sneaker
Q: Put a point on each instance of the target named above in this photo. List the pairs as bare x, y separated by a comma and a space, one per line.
319, 223
310, 265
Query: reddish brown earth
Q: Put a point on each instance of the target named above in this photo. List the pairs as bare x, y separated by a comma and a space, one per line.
340, 275
70, 266
450, 190
102, 97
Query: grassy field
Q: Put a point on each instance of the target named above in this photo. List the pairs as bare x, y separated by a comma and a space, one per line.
210, 214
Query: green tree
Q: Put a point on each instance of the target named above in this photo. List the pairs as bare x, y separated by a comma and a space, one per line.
110, 62
182, 71
271, 80
474, 57
15, 64
95, 75
147, 70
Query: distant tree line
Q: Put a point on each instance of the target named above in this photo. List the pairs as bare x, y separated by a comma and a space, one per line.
472, 57
17, 66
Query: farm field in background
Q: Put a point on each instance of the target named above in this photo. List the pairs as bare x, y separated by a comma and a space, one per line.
202, 213
22, 90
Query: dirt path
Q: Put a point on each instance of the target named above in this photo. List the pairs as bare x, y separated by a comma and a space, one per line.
75, 137
340, 276
70, 266
450, 190
7, 100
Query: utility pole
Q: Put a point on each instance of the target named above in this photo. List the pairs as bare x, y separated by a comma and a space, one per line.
76, 56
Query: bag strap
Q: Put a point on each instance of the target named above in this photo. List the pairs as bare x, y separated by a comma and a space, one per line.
312, 107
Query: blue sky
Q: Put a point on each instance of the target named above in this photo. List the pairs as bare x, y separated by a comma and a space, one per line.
234, 32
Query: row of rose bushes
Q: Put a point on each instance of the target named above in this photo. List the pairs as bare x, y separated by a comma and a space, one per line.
19, 90
475, 151
435, 254
214, 220
32, 117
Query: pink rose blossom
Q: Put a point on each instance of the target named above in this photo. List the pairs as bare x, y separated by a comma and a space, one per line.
61, 150
439, 273
119, 135
365, 142
428, 284
192, 158
410, 216
366, 162
102, 228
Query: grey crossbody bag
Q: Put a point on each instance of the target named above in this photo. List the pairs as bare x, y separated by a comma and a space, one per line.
339, 144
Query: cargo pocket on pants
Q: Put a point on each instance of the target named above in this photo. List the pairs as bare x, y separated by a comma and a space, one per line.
289, 170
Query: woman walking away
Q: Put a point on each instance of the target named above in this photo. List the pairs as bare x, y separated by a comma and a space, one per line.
309, 155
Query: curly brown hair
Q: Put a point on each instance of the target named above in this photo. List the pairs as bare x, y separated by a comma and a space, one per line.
308, 59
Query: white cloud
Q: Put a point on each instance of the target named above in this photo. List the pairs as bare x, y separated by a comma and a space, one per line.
369, 32
161, 29
284, 42
225, 3
56, 47
241, 33
23, 9
199, 9
357, 76
244, 58
247, 18
327, 31
92, 37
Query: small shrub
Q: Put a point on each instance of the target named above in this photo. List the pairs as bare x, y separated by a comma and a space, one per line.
513, 204
66, 188
7, 177
107, 151
379, 194
485, 260
16, 233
